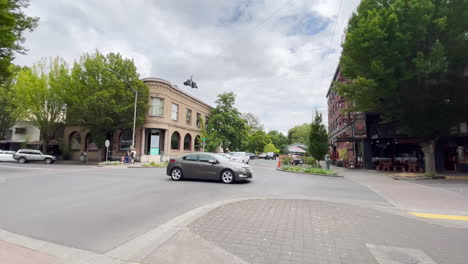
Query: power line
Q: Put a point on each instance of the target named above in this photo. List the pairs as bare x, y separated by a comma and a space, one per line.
271, 15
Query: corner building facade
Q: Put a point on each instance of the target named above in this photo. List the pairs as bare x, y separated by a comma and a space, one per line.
172, 127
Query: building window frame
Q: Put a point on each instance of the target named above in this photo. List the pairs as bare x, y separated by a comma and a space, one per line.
199, 120
188, 116
175, 112
161, 107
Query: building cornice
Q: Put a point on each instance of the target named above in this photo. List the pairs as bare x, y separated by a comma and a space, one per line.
176, 89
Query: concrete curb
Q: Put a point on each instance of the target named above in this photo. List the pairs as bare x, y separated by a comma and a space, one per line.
141, 167
67, 255
317, 174
140, 247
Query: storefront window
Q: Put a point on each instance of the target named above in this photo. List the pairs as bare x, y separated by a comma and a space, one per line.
125, 141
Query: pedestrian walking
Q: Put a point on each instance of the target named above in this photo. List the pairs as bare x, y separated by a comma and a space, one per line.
132, 156
127, 157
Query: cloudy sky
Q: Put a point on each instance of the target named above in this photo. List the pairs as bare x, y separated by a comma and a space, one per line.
278, 56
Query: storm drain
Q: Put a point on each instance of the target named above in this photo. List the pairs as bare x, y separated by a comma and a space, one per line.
396, 255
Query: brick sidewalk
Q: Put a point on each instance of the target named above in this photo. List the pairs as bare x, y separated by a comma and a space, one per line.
304, 231
409, 195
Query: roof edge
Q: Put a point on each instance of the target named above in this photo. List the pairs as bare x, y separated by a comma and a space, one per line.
177, 89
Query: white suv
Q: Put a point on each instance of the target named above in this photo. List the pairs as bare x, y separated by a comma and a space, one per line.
26, 155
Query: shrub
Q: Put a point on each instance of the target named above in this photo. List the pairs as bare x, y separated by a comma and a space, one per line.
310, 161
287, 160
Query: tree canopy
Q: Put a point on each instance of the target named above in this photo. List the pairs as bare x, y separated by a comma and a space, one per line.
101, 97
253, 123
407, 60
318, 138
278, 139
13, 23
9, 111
270, 147
226, 123
40, 94
299, 134
257, 141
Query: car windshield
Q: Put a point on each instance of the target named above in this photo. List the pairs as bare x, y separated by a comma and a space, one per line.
220, 157
238, 154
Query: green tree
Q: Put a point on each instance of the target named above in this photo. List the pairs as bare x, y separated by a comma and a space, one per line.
318, 138
211, 142
100, 97
278, 139
9, 111
253, 123
299, 134
270, 147
405, 61
226, 124
13, 23
40, 93
257, 141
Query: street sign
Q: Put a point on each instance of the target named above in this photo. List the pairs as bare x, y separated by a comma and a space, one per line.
107, 143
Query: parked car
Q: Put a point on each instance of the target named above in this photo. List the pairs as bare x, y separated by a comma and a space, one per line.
6, 155
227, 155
261, 155
270, 155
210, 166
251, 156
240, 156
26, 155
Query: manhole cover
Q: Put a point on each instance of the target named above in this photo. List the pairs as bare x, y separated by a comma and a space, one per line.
396, 255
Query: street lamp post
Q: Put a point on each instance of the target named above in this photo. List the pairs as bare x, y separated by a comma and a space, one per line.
135, 107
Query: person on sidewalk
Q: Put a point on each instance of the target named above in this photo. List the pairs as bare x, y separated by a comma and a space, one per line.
132, 155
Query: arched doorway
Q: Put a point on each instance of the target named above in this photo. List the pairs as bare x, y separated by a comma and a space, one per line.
197, 143
175, 141
90, 144
74, 143
188, 142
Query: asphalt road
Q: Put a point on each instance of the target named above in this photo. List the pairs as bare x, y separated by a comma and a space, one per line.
98, 209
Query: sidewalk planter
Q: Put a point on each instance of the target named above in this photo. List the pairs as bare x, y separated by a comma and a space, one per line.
308, 170
149, 165
109, 163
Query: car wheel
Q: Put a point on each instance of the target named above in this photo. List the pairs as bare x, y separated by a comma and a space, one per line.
22, 160
227, 176
176, 174
48, 161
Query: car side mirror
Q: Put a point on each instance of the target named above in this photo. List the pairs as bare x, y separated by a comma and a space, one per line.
212, 161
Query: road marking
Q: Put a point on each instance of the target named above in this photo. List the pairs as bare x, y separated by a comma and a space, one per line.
441, 216
26, 168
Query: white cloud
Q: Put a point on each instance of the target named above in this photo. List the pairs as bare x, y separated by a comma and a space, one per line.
279, 56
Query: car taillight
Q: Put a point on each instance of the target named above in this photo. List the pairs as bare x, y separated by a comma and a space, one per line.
172, 160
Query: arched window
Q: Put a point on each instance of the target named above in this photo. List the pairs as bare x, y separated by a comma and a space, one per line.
125, 140
175, 140
197, 143
188, 142
90, 144
75, 141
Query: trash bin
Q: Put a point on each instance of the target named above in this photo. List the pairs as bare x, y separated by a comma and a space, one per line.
84, 157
